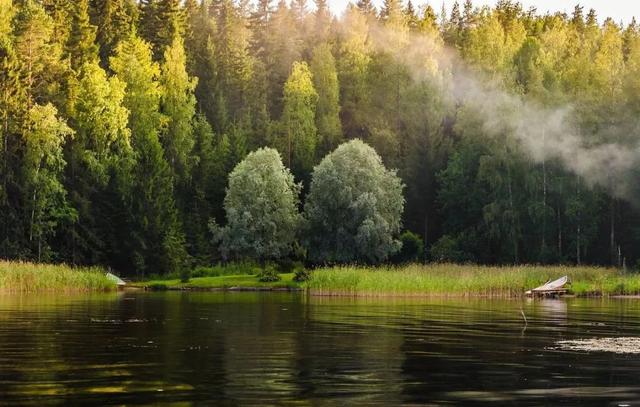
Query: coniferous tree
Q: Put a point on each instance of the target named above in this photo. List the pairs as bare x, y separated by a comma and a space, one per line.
99, 151
81, 46
367, 8
39, 55
115, 21
156, 241
298, 137
178, 104
325, 80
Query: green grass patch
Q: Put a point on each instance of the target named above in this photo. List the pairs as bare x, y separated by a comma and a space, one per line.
467, 280
224, 282
30, 277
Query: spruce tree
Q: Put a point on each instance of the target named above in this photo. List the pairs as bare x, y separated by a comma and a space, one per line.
325, 80
115, 21
178, 104
367, 8
156, 240
81, 46
298, 138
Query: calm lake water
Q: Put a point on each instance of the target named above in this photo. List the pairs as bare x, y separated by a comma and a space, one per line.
292, 349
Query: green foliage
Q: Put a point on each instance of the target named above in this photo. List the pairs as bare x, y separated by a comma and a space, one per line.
298, 137
157, 240
28, 277
158, 124
325, 80
81, 46
302, 274
448, 279
43, 163
412, 249
447, 250
354, 207
178, 104
261, 207
268, 274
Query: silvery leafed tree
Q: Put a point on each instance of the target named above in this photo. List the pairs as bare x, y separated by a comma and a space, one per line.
261, 207
354, 207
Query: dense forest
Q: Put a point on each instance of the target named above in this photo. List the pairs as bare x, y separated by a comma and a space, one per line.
514, 133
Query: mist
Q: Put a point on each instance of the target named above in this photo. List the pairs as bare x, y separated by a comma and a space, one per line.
542, 133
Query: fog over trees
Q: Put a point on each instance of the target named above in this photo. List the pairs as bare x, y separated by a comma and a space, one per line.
497, 135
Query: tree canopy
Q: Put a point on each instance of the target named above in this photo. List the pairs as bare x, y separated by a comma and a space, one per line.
354, 208
261, 207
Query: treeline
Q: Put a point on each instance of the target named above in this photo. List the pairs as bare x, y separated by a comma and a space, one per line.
121, 120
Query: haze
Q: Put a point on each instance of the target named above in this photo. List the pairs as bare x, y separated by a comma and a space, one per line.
619, 10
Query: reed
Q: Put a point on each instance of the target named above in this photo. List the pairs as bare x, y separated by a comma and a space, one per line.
466, 280
30, 277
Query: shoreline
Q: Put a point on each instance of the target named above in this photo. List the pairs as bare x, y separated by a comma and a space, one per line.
410, 281
377, 295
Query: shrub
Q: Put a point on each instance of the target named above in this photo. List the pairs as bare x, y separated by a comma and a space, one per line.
412, 248
268, 274
446, 250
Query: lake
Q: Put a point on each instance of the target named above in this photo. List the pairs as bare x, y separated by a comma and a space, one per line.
282, 348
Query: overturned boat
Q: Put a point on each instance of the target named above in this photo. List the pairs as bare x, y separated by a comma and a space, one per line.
555, 287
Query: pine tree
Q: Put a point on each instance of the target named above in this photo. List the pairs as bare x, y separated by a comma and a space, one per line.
299, 139
161, 22
367, 8
234, 63
115, 21
99, 150
283, 50
322, 22
410, 16
429, 21
391, 13
325, 80
170, 24
12, 110
157, 241
299, 10
178, 104
81, 46
39, 54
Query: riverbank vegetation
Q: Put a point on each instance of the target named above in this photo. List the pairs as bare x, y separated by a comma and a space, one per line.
490, 135
29, 277
424, 280
466, 280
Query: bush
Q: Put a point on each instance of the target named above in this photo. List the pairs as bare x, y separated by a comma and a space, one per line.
302, 274
268, 274
412, 248
446, 250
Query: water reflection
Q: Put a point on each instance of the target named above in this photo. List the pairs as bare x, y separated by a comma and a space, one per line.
267, 348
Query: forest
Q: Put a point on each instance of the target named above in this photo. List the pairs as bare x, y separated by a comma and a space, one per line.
514, 133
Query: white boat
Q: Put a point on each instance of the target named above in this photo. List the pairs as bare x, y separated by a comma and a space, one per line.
119, 282
551, 287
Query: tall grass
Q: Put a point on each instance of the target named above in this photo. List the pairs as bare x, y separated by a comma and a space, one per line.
29, 277
466, 280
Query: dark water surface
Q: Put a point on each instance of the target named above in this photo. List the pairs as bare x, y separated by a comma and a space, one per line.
292, 349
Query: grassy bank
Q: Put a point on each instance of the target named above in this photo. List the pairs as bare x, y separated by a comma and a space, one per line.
222, 282
29, 277
455, 280
424, 280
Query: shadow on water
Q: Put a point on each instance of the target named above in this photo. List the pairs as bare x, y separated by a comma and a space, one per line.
271, 348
